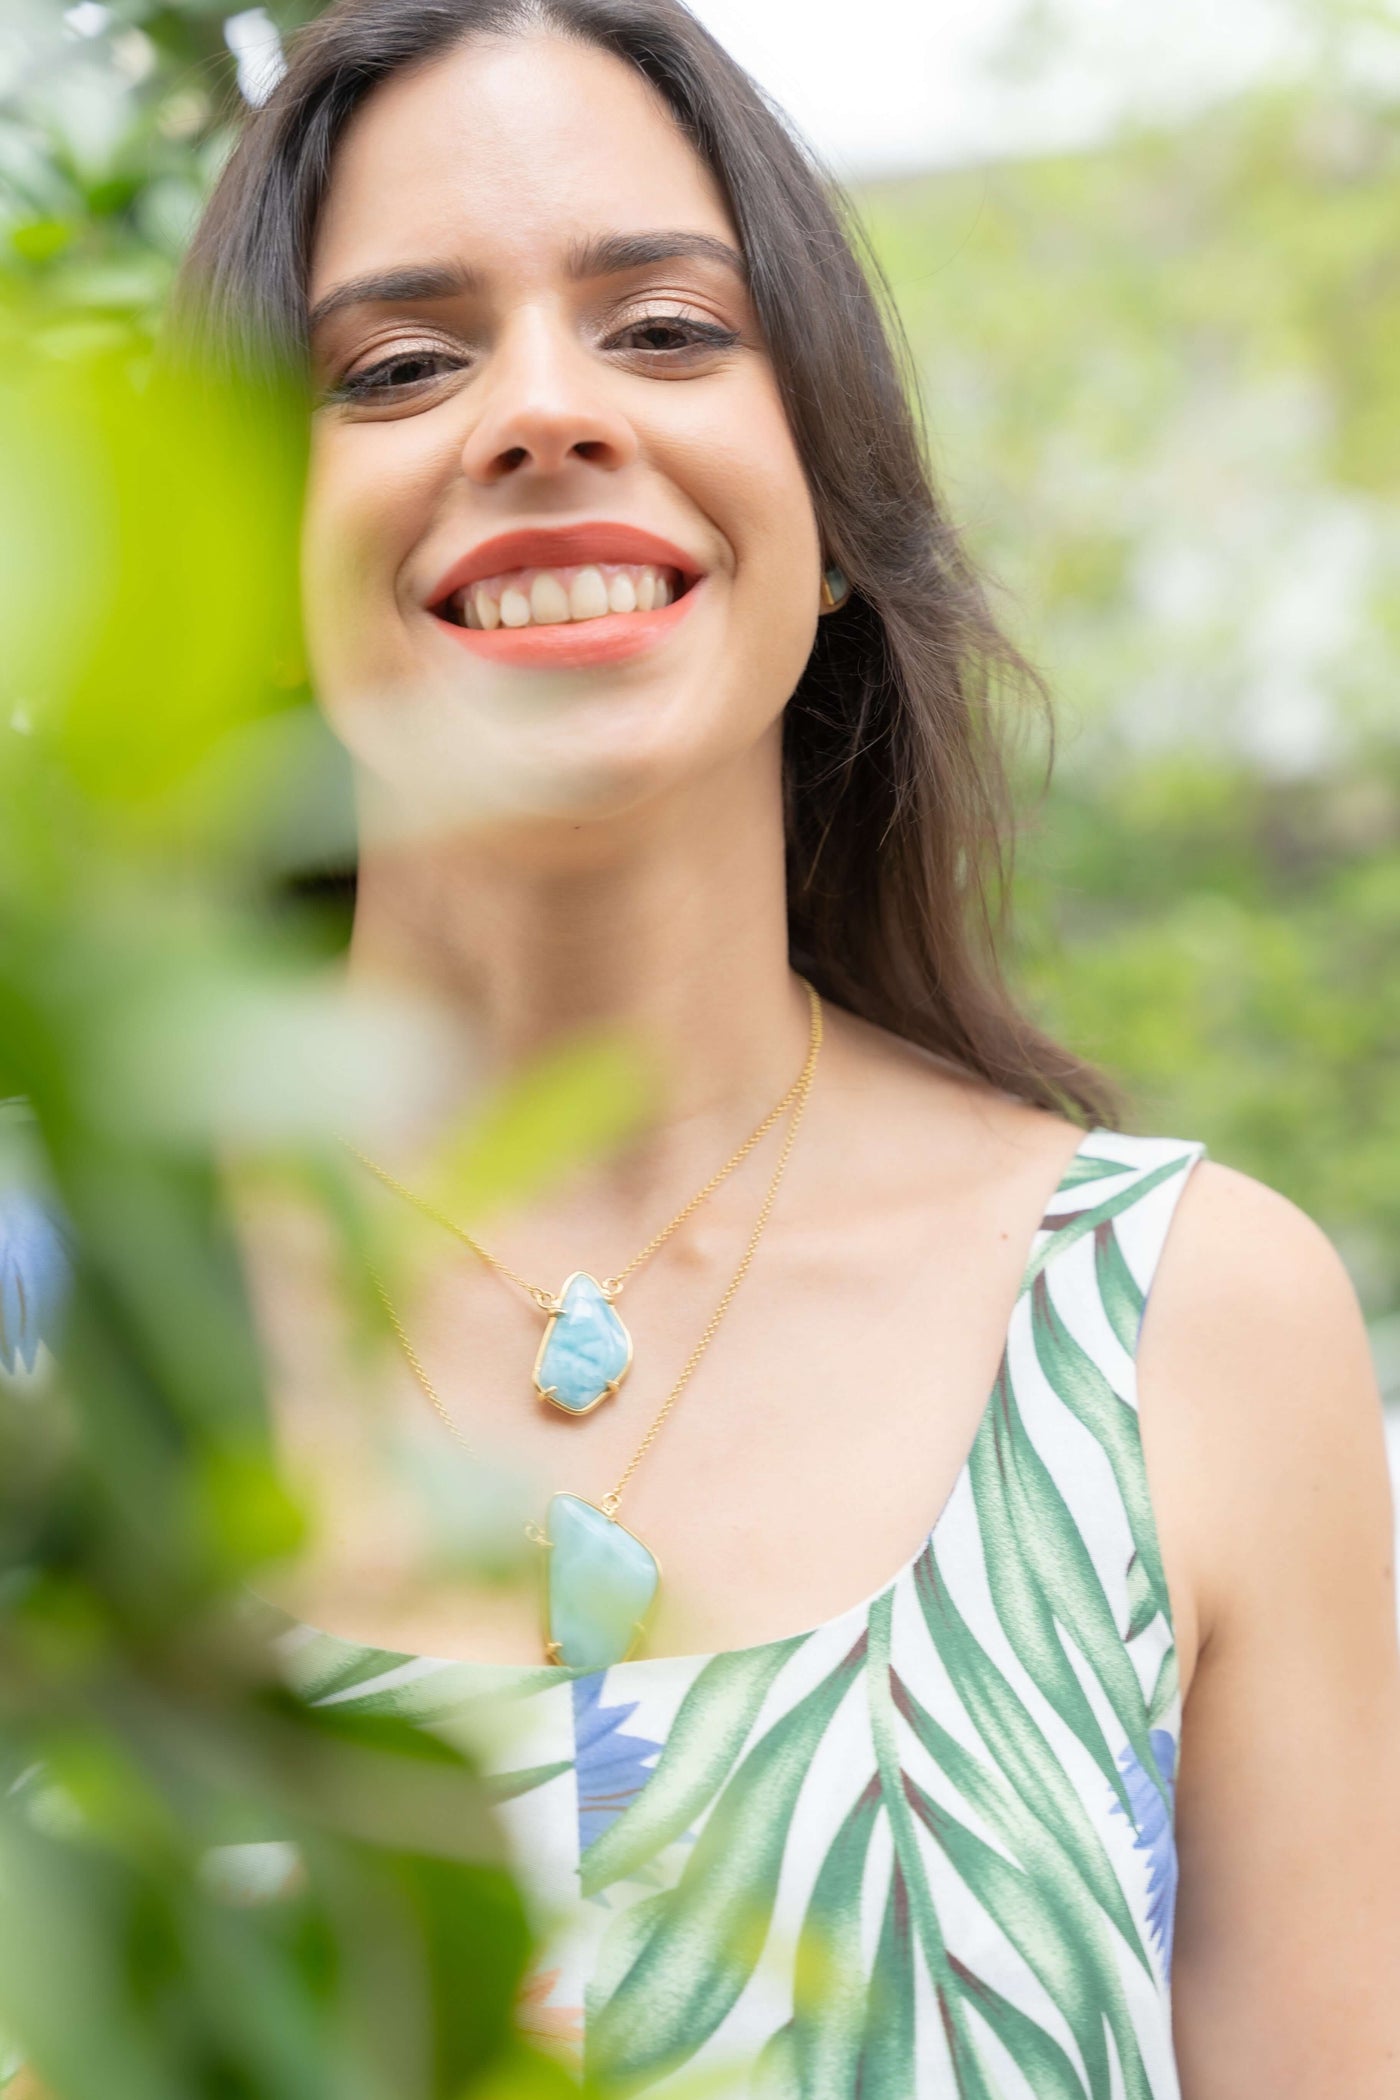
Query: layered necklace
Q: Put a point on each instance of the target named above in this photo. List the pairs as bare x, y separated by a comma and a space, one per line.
601, 1580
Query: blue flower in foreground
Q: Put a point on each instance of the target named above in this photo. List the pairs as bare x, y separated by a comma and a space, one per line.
1153, 1833
34, 1276
612, 1766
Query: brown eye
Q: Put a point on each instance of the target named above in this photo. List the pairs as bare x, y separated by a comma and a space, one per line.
393, 376
674, 336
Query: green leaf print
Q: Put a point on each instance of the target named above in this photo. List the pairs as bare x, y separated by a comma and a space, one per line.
1165, 1690
507, 1786
1080, 1222
1142, 1604
326, 1668
1087, 1166
968, 2071
1118, 1287
970, 2081
704, 1937
624, 1941
1041, 1572
1045, 1925
1076, 1379
829, 1986
708, 1733
775, 2074
1023, 1756
887, 2052
1044, 2064
1084, 1874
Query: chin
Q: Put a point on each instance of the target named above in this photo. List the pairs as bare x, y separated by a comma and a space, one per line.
543, 757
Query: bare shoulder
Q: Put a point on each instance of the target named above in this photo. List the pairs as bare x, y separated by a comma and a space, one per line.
1241, 1251
1253, 1300
944, 1129
1261, 1418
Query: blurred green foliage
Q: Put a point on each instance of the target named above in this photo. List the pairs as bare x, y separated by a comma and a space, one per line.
207, 1888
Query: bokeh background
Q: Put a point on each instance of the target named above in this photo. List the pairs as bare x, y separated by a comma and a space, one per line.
1151, 276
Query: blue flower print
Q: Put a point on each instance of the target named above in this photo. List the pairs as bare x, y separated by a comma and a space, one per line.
1154, 1834
34, 1276
612, 1766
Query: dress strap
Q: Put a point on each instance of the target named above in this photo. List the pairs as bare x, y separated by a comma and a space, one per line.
1072, 1364
1106, 1225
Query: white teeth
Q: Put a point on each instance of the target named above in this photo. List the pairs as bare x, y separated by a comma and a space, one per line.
549, 601
552, 597
588, 595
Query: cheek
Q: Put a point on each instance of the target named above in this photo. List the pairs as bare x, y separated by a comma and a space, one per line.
363, 515
760, 490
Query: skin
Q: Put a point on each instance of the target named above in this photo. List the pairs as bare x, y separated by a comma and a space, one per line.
541, 853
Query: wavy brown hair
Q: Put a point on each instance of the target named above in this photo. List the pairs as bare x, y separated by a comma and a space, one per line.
899, 826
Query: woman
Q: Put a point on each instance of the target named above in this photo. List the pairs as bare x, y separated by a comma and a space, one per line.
665, 682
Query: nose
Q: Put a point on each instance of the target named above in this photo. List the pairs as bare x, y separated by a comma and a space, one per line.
544, 406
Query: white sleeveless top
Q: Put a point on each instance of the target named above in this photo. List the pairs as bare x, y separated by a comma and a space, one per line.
924, 1850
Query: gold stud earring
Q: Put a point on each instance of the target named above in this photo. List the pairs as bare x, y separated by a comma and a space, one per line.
835, 589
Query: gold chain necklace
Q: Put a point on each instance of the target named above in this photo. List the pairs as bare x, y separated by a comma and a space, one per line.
602, 1581
586, 1350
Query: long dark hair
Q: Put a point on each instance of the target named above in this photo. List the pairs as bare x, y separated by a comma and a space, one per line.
897, 810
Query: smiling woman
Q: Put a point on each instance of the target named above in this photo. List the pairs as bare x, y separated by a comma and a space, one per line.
730, 274
669, 693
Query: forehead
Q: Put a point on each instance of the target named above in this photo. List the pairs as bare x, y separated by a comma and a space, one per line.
511, 148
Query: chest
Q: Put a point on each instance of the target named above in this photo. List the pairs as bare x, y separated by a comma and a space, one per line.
801, 1462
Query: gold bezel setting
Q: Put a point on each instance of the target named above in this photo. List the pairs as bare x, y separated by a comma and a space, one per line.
548, 1392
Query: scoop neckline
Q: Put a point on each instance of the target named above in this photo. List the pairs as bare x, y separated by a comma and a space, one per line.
508, 1676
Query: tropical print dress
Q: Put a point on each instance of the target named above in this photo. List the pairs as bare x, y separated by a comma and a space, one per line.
924, 1850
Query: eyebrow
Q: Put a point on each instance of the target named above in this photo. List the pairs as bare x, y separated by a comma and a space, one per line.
600, 255
608, 254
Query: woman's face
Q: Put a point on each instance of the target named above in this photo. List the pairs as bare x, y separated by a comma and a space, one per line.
558, 539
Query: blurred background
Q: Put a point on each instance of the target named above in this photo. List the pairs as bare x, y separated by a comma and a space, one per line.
1148, 263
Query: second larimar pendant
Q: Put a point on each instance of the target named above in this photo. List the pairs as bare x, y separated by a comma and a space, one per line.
586, 1350
602, 1582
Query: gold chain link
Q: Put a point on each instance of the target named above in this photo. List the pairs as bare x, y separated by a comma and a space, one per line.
414, 1363
545, 1300
612, 1285
797, 1097
610, 1502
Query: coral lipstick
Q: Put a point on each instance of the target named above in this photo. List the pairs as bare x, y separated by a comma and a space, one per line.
495, 577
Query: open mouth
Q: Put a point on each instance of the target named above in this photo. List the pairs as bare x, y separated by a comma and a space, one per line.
569, 595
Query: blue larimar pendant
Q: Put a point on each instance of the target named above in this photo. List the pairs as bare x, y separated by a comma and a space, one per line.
602, 1582
586, 1350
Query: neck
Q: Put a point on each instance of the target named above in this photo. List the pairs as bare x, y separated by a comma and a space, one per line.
669, 927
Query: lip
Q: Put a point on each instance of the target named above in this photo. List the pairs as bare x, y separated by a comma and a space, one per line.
558, 546
569, 643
